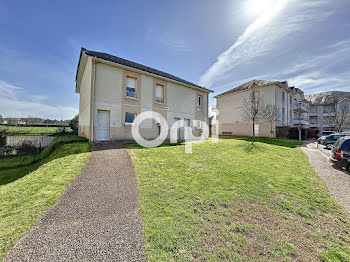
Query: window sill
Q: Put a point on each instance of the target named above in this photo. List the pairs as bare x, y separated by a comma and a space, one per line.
159, 103
128, 124
132, 98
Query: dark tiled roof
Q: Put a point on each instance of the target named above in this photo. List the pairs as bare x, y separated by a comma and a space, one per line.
247, 85
138, 66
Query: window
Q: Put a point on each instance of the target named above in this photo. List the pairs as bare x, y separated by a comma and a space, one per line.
255, 95
199, 102
130, 87
283, 115
282, 96
129, 118
198, 124
159, 94
346, 108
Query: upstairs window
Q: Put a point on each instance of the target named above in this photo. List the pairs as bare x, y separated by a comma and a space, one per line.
159, 94
282, 96
130, 87
129, 118
255, 96
199, 102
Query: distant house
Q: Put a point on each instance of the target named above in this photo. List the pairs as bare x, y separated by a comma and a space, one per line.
14, 121
113, 91
290, 102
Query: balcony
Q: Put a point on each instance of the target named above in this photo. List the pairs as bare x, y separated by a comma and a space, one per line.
301, 107
328, 113
313, 113
300, 121
313, 125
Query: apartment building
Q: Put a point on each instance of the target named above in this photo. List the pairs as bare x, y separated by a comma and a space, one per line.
113, 91
293, 108
323, 107
229, 106
301, 109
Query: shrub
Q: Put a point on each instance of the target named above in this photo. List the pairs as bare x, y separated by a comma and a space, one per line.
294, 133
74, 124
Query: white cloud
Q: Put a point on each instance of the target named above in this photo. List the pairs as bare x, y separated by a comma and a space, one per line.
9, 91
228, 59
311, 72
266, 40
15, 102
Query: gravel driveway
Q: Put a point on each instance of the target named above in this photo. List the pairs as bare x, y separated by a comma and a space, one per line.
337, 180
95, 220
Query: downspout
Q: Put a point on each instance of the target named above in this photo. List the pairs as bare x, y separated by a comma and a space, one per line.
92, 113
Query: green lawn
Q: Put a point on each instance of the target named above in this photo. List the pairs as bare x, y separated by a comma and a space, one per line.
23, 200
227, 202
33, 130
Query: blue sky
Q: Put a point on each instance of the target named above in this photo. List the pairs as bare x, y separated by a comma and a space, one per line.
218, 44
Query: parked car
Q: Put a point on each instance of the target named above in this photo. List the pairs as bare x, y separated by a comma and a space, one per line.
341, 152
323, 133
328, 141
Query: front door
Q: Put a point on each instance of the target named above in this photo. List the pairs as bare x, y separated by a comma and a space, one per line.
102, 131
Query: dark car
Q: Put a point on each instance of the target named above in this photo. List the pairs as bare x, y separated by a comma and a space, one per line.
323, 133
328, 141
341, 152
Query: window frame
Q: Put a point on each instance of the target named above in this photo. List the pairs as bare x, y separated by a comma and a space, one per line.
199, 105
126, 87
162, 98
129, 123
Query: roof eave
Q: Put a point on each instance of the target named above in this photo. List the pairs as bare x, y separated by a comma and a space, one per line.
148, 73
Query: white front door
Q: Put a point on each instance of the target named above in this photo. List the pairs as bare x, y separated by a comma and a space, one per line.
102, 131
186, 128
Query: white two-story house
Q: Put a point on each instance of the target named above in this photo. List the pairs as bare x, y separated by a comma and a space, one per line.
113, 91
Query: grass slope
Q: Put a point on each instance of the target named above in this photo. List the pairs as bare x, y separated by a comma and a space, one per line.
32, 130
24, 200
225, 203
15, 161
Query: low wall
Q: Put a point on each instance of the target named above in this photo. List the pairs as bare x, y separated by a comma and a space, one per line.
37, 141
244, 129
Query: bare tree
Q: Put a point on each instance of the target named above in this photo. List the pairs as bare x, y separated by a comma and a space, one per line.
252, 109
270, 113
340, 117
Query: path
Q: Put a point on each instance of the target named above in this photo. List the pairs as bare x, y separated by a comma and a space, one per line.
96, 219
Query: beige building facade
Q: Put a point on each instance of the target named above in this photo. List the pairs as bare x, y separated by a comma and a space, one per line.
289, 101
114, 91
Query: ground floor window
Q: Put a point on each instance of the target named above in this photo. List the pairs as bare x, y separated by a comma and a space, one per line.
129, 118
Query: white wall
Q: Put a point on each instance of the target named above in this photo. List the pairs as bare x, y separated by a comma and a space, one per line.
108, 92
